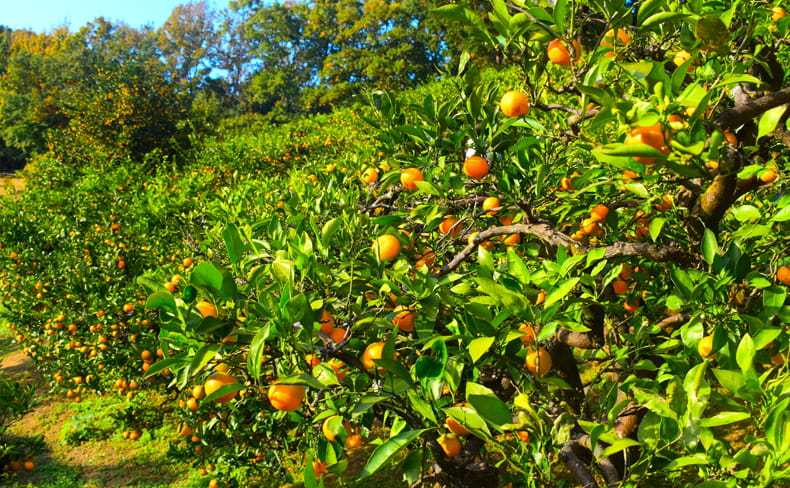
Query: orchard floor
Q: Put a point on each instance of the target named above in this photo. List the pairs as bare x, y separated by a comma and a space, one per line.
107, 463
114, 462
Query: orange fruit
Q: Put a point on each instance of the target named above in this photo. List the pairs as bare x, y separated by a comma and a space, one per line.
354, 440
620, 287
312, 360
386, 247
541, 356
198, 392
705, 346
327, 322
448, 227
650, 135
450, 443
319, 468
187, 262
681, 57
599, 213
427, 258
768, 176
185, 430
631, 306
625, 272
453, 426
404, 318
337, 334
783, 275
491, 203
370, 176
408, 177
514, 104
523, 435
146, 355
287, 398
217, 381
371, 353
328, 433
566, 184
128, 307
777, 13
610, 38
475, 167
558, 52
530, 336
589, 227
28, 466
192, 404
206, 309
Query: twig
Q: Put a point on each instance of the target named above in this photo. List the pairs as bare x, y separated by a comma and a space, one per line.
736, 116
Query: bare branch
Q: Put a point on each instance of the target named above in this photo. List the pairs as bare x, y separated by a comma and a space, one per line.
651, 252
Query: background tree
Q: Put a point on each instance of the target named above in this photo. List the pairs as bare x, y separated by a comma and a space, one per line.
186, 41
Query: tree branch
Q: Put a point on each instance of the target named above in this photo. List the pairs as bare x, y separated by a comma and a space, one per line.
735, 116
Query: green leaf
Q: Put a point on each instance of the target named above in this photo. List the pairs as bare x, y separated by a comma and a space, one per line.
746, 212
470, 420
479, 346
783, 215
560, 291
387, 451
774, 297
428, 188
769, 120
488, 405
427, 367
724, 418
700, 458
662, 18
709, 246
257, 346
744, 355
234, 243
421, 406
224, 390
329, 230
162, 299
656, 225
713, 33
163, 364
637, 189
215, 278
302, 379
618, 446
560, 14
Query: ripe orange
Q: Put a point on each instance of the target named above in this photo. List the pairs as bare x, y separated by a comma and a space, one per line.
427, 258
404, 318
475, 167
491, 203
198, 392
514, 104
589, 227
28, 466
453, 426
631, 306
625, 272
354, 440
777, 13
337, 334
206, 309
146, 355
599, 213
530, 336
620, 287
187, 262
558, 52
730, 137
523, 435
450, 443
768, 176
128, 308
448, 227
650, 135
319, 468
328, 433
370, 175
386, 247
408, 177
609, 37
372, 352
783, 275
287, 398
541, 356
705, 346
327, 322
215, 382
192, 404
681, 57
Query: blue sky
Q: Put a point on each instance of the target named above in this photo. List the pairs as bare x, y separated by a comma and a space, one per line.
45, 15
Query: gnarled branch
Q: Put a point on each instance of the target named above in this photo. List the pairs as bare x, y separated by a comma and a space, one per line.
739, 115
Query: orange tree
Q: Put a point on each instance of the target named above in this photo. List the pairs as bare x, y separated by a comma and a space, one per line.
641, 207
